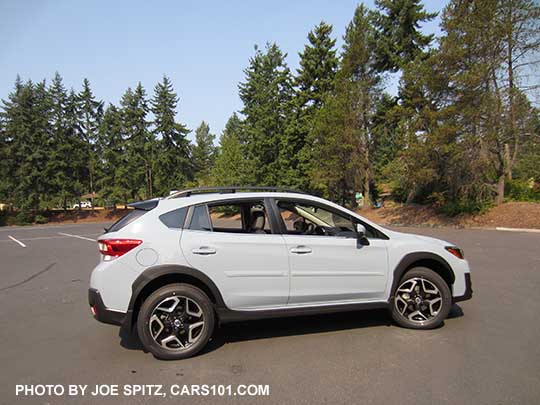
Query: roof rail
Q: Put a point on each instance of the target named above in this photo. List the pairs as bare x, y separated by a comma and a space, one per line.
226, 190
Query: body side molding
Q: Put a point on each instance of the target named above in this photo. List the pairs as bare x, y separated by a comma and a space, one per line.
155, 272
226, 315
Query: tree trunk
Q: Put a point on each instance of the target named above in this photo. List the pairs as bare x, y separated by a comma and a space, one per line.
367, 192
499, 199
91, 175
509, 162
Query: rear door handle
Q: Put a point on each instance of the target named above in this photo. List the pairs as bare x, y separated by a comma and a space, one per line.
301, 250
204, 251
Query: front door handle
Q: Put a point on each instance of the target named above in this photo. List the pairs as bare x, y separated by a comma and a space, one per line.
204, 251
301, 250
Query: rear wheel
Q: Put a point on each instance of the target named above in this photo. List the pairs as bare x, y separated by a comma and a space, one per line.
422, 300
175, 321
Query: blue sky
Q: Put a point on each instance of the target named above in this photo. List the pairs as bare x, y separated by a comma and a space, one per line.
202, 46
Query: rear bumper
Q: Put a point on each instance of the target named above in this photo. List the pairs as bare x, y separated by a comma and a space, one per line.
468, 290
101, 312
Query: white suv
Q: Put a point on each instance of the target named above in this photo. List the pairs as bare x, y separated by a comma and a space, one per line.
176, 267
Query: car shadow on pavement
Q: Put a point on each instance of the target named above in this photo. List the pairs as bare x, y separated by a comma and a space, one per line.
299, 325
292, 326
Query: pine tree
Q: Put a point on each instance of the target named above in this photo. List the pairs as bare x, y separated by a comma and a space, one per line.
519, 22
266, 94
112, 184
11, 124
66, 163
203, 153
139, 144
27, 128
91, 111
174, 168
343, 129
399, 39
318, 66
313, 83
232, 168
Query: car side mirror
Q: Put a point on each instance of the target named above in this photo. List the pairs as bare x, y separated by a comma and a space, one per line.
361, 238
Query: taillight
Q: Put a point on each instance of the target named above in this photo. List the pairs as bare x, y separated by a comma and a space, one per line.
117, 247
455, 251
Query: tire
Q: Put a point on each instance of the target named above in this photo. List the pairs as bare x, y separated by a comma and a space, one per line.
175, 322
420, 308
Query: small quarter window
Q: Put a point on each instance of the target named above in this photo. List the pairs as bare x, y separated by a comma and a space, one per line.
175, 218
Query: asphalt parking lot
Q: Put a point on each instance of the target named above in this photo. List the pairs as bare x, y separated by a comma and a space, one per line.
487, 352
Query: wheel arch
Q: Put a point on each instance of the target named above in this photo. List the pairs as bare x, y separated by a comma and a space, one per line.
423, 259
158, 276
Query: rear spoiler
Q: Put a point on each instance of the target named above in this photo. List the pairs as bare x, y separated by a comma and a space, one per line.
146, 205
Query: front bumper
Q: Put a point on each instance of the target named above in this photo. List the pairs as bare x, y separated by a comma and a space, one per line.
101, 312
468, 290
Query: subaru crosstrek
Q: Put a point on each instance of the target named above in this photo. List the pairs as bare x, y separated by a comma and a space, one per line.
174, 268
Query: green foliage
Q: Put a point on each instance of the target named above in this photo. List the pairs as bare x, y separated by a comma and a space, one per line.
90, 111
399, 39
266, 94
523, 190
140, 144
173, 166
114, 181
454, 208
204, 153
232, 168
21, 218
40, 219
342, 134
27, 143
313, 83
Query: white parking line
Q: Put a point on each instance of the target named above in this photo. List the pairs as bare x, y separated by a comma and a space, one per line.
500, 228
16, 241
77, 236
40, 227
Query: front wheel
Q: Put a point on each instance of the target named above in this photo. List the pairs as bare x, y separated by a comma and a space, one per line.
422, 300
175, 321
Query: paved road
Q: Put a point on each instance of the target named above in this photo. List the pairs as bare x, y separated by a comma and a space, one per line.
488, 352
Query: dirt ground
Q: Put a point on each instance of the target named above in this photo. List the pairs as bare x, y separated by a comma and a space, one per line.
510, 215
85, 216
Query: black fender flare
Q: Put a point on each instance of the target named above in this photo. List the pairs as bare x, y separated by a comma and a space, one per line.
155, 272
411, 258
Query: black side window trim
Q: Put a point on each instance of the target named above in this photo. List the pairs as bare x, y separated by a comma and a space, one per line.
189, 218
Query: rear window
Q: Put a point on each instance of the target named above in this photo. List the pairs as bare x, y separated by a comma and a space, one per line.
127, 219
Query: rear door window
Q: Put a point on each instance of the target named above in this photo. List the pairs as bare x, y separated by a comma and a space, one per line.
239, 217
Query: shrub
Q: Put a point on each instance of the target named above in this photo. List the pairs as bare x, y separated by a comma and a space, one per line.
453, 208
40, 219
22, 218
522, 190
